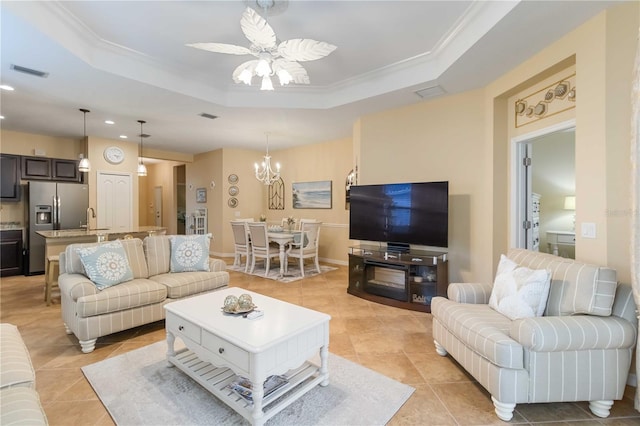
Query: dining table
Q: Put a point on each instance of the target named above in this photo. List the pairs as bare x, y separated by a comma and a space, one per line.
282, 238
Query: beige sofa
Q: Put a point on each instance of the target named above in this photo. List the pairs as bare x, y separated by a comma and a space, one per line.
19, 401
579, 350
90, 313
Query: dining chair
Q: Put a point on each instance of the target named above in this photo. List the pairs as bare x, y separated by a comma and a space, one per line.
306, 246
242, 243
260, 247
301, 221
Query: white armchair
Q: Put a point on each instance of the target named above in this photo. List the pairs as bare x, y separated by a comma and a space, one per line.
260, 247
579, 350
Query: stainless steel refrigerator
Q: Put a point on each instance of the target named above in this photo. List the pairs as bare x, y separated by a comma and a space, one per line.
51, 206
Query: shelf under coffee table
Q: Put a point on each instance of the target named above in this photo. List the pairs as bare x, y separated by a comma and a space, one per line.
220, 347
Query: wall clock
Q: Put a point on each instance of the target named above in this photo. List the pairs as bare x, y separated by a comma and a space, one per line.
114, 154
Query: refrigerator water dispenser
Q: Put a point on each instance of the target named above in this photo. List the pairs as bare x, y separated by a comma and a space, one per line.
43, 215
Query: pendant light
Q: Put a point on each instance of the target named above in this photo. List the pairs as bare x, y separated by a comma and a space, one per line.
142, 169
84, 165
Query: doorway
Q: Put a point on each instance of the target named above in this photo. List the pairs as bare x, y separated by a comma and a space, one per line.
543, 196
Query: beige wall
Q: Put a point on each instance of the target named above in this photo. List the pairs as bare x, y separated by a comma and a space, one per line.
325, 161
441, 140
465, 139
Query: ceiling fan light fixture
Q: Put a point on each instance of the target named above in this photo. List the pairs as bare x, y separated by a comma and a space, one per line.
263, 69
270, 57
246, 76
285, 77
266, 83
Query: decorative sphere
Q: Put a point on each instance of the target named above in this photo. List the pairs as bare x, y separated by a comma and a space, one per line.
230, 303
245, 301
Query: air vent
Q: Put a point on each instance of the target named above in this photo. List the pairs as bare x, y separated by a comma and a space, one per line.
209, 116
30, 71
144, 135
430, 92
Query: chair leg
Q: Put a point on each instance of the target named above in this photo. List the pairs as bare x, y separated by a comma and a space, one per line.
601, 408
504, 410
246, 267
267, 264
253, 264
318, 265
302, 266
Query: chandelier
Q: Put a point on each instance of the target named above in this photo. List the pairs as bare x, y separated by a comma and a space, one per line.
142, 169
264, 172
85, 165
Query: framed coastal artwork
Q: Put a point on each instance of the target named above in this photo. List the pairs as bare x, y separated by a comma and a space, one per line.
312, 195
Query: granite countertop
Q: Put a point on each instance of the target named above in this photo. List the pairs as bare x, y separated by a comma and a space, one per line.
70, 233
10, 226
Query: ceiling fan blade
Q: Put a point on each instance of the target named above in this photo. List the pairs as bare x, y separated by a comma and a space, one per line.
231, 49
250, 65
296, 70
304, 49
256, 29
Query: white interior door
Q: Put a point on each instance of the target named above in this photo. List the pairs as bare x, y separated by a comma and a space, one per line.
157, 205
114, 200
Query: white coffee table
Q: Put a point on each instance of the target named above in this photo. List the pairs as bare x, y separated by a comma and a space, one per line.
220, 346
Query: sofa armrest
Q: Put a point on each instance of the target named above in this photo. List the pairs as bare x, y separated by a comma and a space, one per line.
476, 293
573, 333
217, 265
76, 286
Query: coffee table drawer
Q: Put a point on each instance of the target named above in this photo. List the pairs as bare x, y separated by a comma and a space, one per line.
183, 328
226, 350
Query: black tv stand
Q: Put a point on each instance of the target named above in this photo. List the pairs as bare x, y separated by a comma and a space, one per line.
405, 279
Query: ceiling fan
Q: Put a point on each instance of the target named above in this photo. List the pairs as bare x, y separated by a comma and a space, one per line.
272, 58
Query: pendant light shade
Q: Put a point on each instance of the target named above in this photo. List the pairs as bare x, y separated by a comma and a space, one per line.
84, 165
142, 169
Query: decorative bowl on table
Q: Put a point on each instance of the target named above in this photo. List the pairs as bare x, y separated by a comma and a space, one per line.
276, 228
238, 305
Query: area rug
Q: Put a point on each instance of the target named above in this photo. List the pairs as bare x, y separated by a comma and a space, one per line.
293, 271
138, 388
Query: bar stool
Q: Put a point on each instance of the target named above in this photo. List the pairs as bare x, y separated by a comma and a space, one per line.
50, 277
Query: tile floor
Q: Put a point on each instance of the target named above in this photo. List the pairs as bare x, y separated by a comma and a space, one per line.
392, 341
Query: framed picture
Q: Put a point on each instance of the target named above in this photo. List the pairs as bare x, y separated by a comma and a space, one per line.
201, 195
312, 195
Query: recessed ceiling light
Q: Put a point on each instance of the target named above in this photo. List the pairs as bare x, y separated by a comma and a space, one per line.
123, 136
109, 122
5, 87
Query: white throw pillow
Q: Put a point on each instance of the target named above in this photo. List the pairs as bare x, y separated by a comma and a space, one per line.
519, 292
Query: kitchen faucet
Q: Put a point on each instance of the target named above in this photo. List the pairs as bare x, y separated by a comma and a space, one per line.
93, 215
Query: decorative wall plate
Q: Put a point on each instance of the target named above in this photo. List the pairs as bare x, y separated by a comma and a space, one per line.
233, 191
233, 202
233, 179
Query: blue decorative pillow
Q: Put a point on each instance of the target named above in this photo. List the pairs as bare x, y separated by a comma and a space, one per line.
105, 264
189, 253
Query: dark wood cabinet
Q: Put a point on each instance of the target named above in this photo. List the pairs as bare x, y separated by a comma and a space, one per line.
56, 169
65, 170
9, 177
10, 252
36, 168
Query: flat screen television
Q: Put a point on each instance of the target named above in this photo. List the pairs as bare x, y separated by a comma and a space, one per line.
400, 213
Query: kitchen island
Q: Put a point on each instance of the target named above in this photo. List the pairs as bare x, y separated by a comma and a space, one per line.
57, 241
